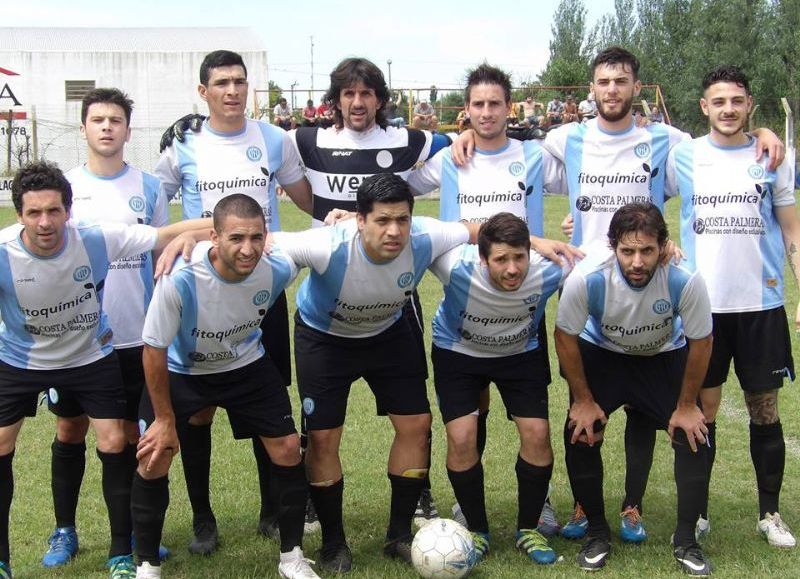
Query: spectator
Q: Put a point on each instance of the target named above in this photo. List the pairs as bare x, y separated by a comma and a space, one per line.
324, 114
424, 117
282, 115
587, 108
656, 116
392, 114
555, 111
310, 114
530, 112
462, 121
570, 110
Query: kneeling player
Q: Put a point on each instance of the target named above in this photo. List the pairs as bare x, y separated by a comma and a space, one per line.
485, 330
622, 331
202, 349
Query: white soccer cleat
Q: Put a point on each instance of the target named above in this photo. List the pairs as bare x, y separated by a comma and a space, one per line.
294, 565
777, 532
702, 528
148, 571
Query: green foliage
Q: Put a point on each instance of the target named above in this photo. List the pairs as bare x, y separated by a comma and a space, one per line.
569, 48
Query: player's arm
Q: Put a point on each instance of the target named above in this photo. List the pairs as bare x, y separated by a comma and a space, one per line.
770, 144
555, 250
790, 229
584, 411
166, 234
687, 414
300, 194
160, 440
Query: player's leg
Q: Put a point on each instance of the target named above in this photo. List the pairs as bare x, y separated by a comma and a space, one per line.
640, 440
8, 438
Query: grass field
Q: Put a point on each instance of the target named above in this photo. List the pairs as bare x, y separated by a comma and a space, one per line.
734, 546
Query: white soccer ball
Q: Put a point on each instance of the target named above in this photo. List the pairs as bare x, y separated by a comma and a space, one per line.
443, 548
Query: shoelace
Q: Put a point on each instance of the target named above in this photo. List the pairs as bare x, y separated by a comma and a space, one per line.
779, 524
631, 515
578, 514
302, 565
532, 540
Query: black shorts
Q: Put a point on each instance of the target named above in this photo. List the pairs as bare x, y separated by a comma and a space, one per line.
327, 366
275, 337
651, 384
759, 345
97, 387
254, 397
521, 379
66, 405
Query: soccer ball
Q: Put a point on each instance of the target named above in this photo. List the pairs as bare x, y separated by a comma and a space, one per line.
443, 548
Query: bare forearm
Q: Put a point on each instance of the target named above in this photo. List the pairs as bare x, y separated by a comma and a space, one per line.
169, 232
569, 357
696, 368
156, 376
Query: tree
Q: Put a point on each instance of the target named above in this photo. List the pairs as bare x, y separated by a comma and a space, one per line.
569, 48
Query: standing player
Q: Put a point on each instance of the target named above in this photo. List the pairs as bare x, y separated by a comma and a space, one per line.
231, 154
105, 189
485, 330
631, 331
738, 219
54, 332
199, 354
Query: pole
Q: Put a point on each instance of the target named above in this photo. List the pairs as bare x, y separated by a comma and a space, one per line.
35, 133
312, 63
389, 64
8, 141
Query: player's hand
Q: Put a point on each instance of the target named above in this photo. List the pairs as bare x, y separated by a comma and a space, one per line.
334, 216
158, 444
462, 148
672, 253
556, 250
182, 245
178, 130
568, 225
769, 143
690, 419
582, 416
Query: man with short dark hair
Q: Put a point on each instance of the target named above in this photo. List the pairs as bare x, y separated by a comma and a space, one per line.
309, 114
424, 116
555, 111
55, 333
197, 356
283, 116
632, 331
485, 330
738, 221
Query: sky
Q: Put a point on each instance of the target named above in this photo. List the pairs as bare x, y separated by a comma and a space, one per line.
427, 42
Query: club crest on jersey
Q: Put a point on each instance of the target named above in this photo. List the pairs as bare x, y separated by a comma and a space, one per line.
662, 306
136, 203
532, 299
254, 153
261, 297
405, 279
755, 171
583, 203
308, 406
516, 168
384, 159
81, 273
642, 150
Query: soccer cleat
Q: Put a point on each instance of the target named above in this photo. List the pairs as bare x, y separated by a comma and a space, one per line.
206, 537
548, 524
692, 560
335, 558
312, 521
593, 554
777, 533
702, 528
5, 570
399, 548
121, 567
534, 544
293, 565
577, 525
481, 543
458, 515
631, 527
63, 547
148, 571
268, 527
426, 509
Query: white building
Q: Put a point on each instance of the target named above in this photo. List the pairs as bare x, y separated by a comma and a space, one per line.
47, 70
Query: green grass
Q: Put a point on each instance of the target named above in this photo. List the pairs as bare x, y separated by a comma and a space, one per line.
734, 546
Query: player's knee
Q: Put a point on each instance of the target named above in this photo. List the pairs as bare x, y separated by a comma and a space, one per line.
111, 437
131, 431
203, 417
535, 441
462, 445
154, 470
762, 407
72, 430
710, 399
285, 450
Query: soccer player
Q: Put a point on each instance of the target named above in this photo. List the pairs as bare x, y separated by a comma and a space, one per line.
350, 325
231, 154
54, 333
738, 221
202, 348
105, 189
631, 331
485, 330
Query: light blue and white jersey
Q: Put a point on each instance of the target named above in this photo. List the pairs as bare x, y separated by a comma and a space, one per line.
511, 179
211, 165
728, 226
477, 319
52, 306
208, 324
130, 197
600, 305
605, 171
346, 294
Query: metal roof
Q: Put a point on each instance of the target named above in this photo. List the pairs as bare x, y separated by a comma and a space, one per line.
167, 39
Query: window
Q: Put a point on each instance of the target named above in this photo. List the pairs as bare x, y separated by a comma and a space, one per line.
77, 89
